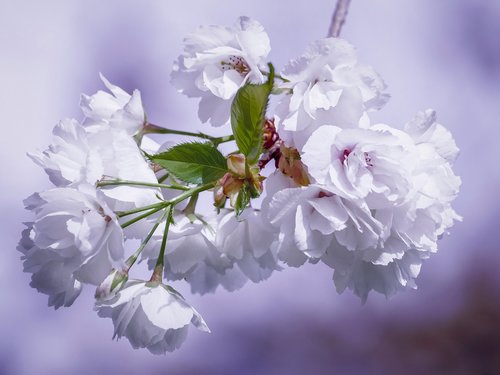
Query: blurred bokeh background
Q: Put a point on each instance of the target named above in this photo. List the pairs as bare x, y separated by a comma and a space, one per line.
441, 54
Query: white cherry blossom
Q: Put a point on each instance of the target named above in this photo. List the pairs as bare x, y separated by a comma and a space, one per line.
52, 274
427, 213
217, 61
310, 217
151, 315
369, 201
70, 158
327, 85
249, 241
191, 254
117, 109
374, 164
77, 156
423, 128
74, 238
411, 228
352, 272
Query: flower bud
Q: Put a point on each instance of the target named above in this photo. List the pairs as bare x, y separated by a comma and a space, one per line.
111, 284
236, 165
219, 197
241, 183
290, 164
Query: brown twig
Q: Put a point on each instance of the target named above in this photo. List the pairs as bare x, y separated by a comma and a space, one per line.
338, 18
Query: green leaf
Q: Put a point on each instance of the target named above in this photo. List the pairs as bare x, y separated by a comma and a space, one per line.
248, 112
242, 200
194, 162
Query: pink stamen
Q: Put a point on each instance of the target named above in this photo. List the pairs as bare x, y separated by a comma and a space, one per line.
368, 160
345, 154
236, 63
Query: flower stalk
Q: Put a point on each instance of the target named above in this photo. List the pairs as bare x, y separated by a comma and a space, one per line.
143, 216
157, 275
133, 258
117, 182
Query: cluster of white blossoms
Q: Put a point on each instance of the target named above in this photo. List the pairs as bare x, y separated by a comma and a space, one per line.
368, 200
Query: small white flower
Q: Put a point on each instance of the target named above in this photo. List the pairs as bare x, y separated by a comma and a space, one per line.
52, 274
328, 86
423, 128
112, 284
207, 276
217, 61
151, 315
310, 217
118, 110
77, 156
248, 241
80, 229
352, 272
428, 213
186, 246
191, 254
70, 158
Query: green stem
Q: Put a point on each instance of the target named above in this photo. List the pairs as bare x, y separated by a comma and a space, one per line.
157, 276
282, 78
151, 128
190, 209
191, 206
189, 193
218, 140
138, 183
173, 182
140, 217
153, 208
141, 209
133, 258
276, 76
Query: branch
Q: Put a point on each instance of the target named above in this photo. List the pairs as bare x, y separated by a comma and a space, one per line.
338, 18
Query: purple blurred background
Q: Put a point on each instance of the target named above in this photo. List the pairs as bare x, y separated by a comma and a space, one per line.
440, 54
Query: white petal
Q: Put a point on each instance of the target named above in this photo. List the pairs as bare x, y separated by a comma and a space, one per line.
165, 310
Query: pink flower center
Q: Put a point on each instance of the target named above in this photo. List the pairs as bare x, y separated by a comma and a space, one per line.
236, 63
107, 218
345, 155
323, 194
368, 160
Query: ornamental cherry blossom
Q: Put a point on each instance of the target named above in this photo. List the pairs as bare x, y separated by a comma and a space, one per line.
52, 273
78, 156
75, 238
309, 180
118, 110
249, 242
309, 218
191, 254
217, 61
327, 85
374, 164
151, 315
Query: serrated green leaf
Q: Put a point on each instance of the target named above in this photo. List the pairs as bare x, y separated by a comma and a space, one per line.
248, 112
194, 162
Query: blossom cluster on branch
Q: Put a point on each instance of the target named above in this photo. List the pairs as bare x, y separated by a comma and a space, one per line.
309, 179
